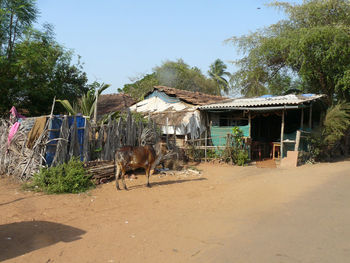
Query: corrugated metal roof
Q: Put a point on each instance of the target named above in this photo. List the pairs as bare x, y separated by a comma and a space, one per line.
263, 101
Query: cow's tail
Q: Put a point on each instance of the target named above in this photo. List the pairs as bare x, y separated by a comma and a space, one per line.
114, 165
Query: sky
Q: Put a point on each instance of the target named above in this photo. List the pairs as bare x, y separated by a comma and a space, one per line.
123, 40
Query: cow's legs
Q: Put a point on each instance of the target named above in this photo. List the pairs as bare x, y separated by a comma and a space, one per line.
117, 173
123, 178
148, 171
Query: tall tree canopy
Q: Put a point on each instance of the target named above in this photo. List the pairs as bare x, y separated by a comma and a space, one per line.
309, 50
175, 74
34, 68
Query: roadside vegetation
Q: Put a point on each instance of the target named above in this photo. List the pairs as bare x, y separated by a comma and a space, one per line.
69, 177
328, 141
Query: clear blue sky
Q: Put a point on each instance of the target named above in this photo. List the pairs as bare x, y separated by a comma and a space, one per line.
122, 39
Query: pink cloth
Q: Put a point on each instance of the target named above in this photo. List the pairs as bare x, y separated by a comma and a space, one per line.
12, 132
14, 113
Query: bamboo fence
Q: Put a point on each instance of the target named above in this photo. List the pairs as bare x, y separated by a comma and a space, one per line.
99, 144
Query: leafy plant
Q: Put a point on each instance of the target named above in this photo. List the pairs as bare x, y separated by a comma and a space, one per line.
86, 104
242, 157
69, 177
315, 147
235, 150
213, 154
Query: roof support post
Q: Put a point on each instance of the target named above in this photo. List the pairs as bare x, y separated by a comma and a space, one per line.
310, 117
282, 133
205, 145
250, 124
250, 135
302, 119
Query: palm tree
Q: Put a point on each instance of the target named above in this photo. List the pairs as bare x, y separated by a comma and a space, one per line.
217, 71
85, 104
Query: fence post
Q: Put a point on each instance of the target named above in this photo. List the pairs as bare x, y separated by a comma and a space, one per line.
86, 143
297, 141
205, 145
282, 134
166, 130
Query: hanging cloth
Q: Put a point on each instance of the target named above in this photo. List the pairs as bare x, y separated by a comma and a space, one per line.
13, 130
36, 131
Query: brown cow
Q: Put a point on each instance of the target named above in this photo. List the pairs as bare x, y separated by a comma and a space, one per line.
132, 157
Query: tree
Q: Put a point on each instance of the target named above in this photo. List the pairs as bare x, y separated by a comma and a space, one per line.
34, 68
140, 86
178, 74
311, 48
42, 69
217, 72
16, 16
175, 74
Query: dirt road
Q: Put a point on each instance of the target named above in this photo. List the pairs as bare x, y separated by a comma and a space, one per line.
229, 214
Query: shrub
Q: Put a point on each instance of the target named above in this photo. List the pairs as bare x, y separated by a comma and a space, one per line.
69, 177
235, 150
325, 143
213, 153
242, 157
336, 123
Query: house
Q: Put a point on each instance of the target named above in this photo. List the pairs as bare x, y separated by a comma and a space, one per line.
108, 103
176, 111
270, 123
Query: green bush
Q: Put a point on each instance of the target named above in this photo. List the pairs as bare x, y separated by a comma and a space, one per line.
69, 177
235, 150
213, 153
242, 157
326, 142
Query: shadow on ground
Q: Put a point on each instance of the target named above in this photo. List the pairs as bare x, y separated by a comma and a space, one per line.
155, 184
20, 238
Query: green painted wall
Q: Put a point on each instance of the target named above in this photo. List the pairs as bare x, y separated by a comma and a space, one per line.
217, 132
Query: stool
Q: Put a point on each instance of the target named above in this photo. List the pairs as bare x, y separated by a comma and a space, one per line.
274, 145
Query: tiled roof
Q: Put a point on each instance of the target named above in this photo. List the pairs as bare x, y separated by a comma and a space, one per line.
108, 103
194, 98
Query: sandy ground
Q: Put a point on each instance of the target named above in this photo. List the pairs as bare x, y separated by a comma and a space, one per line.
228, 214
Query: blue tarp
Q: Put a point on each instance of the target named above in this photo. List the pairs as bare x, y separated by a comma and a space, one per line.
54, 133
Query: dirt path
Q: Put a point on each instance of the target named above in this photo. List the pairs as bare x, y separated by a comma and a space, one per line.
229, 214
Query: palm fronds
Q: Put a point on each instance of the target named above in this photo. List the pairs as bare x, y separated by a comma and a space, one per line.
86, 104
336, 123
69, 108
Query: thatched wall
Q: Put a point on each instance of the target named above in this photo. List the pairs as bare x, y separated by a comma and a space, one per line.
15, 158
